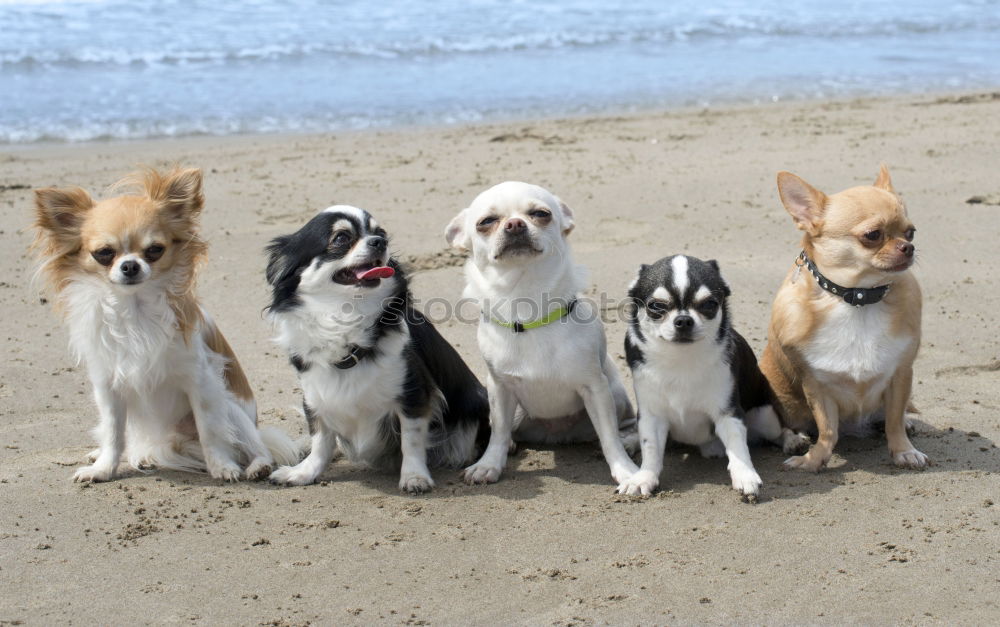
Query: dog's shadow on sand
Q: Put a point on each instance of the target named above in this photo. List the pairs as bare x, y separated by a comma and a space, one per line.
532, 472
949, 449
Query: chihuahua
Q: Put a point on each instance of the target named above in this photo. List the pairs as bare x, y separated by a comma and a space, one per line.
168, 388
550, 378
845, 324
696, 378
380, 384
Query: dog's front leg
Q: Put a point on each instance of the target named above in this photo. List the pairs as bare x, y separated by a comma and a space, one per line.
733, 434
414, 477
601, 409
827, 416
897, 398
322, 447
503, 404
110, 434
653, 433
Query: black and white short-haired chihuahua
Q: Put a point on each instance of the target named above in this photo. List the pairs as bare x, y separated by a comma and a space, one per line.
377, 378
696, 379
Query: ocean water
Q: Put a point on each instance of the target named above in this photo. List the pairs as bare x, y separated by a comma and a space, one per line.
82, 70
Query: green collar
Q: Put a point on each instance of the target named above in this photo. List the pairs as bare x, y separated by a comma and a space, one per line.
521, 327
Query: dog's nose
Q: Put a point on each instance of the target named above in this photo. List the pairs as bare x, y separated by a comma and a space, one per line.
683, 322
130, 268
515, 226
377, 242
906, 248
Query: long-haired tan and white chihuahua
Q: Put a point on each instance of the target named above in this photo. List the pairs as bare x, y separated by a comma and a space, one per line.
845, 324
168, 388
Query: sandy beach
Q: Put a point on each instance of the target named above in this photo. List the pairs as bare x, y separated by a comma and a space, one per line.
861, 542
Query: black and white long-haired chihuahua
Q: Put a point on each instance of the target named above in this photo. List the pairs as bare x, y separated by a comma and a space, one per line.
696, 379
377, 377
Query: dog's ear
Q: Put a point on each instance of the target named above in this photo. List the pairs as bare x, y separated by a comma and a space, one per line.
883, 181
456, 233
725, 286
568, 221
278, 265
178, 192
59, 213
635, 281
803, 202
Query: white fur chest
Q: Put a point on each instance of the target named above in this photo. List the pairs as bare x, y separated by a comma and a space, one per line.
856, 343
122, 337
545, 367
687, 385
353, 402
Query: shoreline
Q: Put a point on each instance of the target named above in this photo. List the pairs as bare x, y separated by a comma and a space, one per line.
612, 112
860, 542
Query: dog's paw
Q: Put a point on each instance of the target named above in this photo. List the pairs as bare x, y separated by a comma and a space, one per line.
258, 469
414, 483
747, 482
94, 473
910, 459
642, 483
807, 462
229, 472
481, 472
292, 475
793, 443
93, 455
622, 471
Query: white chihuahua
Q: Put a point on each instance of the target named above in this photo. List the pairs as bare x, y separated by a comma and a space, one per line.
545, 350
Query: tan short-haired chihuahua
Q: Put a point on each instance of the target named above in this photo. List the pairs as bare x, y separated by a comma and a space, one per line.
845, 324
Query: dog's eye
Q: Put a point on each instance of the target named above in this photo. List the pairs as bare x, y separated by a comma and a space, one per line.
341, 238
709, 307
657, 309
541, 214
488, 220
104, 256
154, 252
873, 236
910, 232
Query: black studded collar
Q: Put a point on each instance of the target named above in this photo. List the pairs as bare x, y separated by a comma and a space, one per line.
856, 296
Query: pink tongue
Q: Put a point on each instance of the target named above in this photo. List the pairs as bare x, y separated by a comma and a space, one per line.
382, 272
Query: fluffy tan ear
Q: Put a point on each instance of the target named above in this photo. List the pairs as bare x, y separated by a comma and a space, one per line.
456, 233
568, 219
883, 181
59, 213
178, 191
803, 202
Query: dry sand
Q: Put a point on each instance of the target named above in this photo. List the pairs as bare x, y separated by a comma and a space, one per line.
551, 543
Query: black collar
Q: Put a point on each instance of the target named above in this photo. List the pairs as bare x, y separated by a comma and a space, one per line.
856, 296
354, 357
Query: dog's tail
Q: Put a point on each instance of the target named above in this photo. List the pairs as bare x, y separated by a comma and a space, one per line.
283, 449
463, 431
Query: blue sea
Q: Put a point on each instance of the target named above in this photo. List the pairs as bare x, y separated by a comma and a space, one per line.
83, 70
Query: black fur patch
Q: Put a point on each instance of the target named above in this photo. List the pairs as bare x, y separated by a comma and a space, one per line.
298, 363
310, 417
